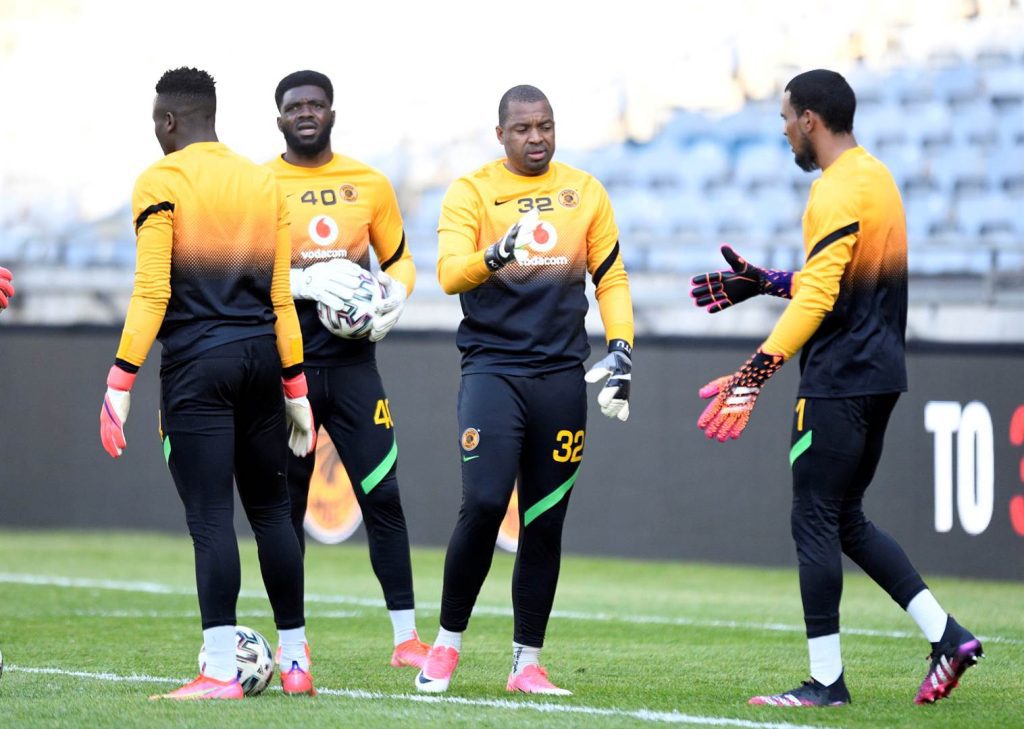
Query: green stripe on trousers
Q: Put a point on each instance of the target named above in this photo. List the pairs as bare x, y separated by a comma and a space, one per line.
550, 500
799, 447
377, 475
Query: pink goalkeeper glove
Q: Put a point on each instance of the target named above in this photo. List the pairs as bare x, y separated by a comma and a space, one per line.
299, 416
727, 415
6, 287
114, 412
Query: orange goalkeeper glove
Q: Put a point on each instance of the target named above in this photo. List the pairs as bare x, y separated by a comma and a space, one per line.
734, 396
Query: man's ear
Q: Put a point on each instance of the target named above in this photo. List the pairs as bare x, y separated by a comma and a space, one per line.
500, 134
809, 120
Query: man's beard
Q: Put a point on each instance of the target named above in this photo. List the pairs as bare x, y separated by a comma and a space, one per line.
308, 147
804, 156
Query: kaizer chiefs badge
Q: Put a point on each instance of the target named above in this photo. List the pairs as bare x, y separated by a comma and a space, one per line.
349, 192
470, 439
568, 198
332, 512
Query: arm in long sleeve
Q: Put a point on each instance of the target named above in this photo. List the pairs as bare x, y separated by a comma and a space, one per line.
387, 235
813, 298
608, 273
152, 288
460, 266
289, 335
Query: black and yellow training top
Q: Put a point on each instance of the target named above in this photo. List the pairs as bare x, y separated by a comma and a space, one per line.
339, 210
527, 318
849, 307
212, 257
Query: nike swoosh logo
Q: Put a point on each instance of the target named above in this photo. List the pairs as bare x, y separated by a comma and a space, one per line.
467, 459
502, 202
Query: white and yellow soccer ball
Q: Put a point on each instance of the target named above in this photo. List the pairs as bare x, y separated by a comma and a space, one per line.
354, 319
253, 657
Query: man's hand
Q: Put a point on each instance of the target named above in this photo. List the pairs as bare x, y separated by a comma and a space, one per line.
6, 287
617, 366
717, 290
518, 236
390, 307
331, 283
114, 412
727, 415
299, 416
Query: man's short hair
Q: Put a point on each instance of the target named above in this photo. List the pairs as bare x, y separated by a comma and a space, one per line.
304, 78
190, 89
828, 95
521, 94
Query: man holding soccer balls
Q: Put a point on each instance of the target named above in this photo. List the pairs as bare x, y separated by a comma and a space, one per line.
340, 209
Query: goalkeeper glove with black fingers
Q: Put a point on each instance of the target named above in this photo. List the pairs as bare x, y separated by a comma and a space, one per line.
116, 404
390, 308
717, 290
6, 287
518, 236
299, 415
734, 396
332, 283
617, 366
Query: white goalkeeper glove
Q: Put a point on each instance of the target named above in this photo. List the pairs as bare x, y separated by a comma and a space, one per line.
116, 404
617, 366
518, 236
390, 307
331, 283
299, 416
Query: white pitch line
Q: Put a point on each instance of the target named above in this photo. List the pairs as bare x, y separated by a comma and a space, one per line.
161, 589
543, 707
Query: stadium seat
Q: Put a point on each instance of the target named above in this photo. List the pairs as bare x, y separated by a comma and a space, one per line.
960, 169
706, 163
989, 215
760, 165
886, 124
931, 124
976, 124
1005, 87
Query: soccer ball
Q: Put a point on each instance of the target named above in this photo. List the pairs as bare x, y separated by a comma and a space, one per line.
354, 320
1, 664
253, 657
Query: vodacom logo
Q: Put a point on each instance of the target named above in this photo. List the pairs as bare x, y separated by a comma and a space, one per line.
541, 239
323, 230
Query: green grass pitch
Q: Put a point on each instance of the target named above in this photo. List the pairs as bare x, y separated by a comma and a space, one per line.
92, 623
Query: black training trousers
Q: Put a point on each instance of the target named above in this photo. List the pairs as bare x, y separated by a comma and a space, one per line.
222, 418
836, 446
349, 402
533, 428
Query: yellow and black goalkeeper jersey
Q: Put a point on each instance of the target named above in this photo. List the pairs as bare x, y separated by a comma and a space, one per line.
339, 210
527, 318
212, 257
849, 308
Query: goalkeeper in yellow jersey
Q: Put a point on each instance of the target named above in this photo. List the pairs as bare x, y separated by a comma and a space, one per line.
516, 239
848, 318
340, 209
211, 283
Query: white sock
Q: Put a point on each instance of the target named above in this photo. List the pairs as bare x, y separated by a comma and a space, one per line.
826, 660
293, 647
220, 652
929, 615
523, 656
403, 623
450, 639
